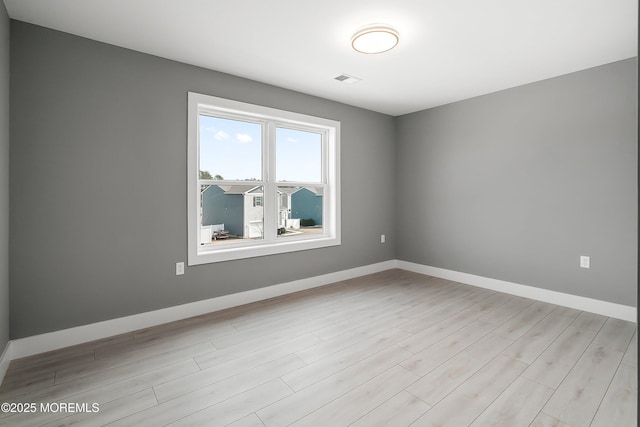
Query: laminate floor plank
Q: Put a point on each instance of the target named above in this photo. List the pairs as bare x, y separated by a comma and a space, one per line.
493, 301
135, 361
266, 335
576, 400
188, 404
286, 315
348, 321
424, 339
518, 405
441, 301
544, 420
510, 309
589, 321
64, 354
580, 395
203, 378
477, 295
434, 386
619, 406
109, 412
20, 374
552, 366
358, 402
248, 421
251, 350
307, 400
615, 334
522, 322
329, 365
409, 295
631, 356
112, 381
352, 337
260, 311
438, 315
400, 410
419, 302
86, 391
394, 348
572, 313
463, 405
537, 339
137, 383
14, 389
444, 350
160, 342
237, 407
194, 324
355, 324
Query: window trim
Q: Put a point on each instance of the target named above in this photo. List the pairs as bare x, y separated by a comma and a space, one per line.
272, 118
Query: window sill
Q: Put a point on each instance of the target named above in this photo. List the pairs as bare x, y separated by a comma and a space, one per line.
203, 256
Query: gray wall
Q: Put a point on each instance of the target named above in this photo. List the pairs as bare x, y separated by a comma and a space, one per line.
4, 177
98, 184
516, 185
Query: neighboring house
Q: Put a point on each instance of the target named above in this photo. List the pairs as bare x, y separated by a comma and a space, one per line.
224, 206
299, 202
241, 208
253, 213
284, 204
306, 203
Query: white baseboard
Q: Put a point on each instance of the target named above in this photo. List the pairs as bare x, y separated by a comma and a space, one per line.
604, 308
29, 346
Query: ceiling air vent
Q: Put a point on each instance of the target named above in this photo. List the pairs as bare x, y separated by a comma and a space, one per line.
346, 78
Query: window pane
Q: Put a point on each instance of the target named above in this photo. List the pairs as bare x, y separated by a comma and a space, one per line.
299, 211
230, 149
298, 156
230, 212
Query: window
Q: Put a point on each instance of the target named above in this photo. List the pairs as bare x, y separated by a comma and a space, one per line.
261, 181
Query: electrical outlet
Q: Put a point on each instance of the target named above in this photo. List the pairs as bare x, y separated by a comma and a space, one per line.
179, 268
585, 261
382, 238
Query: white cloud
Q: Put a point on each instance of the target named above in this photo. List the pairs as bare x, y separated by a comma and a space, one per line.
291, 139
221, 135
243, 138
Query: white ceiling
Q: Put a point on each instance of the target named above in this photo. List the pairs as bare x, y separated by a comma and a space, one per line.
449, 49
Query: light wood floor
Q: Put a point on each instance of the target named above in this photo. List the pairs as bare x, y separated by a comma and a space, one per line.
390, 349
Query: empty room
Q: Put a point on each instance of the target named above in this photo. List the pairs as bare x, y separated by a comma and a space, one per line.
275, 213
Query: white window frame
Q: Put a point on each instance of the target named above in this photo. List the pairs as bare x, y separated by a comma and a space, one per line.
270, 118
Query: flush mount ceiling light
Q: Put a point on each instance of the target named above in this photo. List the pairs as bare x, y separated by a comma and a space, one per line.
375, 38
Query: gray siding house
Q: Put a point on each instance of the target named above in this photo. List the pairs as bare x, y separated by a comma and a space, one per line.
307, 204
240, 207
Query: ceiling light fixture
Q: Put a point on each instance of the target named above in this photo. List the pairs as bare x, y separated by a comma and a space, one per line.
375, 38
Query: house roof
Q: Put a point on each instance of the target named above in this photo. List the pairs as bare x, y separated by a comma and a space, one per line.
238, 189
292, 190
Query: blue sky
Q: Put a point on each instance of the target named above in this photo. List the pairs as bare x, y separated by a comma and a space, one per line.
232, 149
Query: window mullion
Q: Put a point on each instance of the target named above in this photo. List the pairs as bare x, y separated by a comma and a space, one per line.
270, 202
